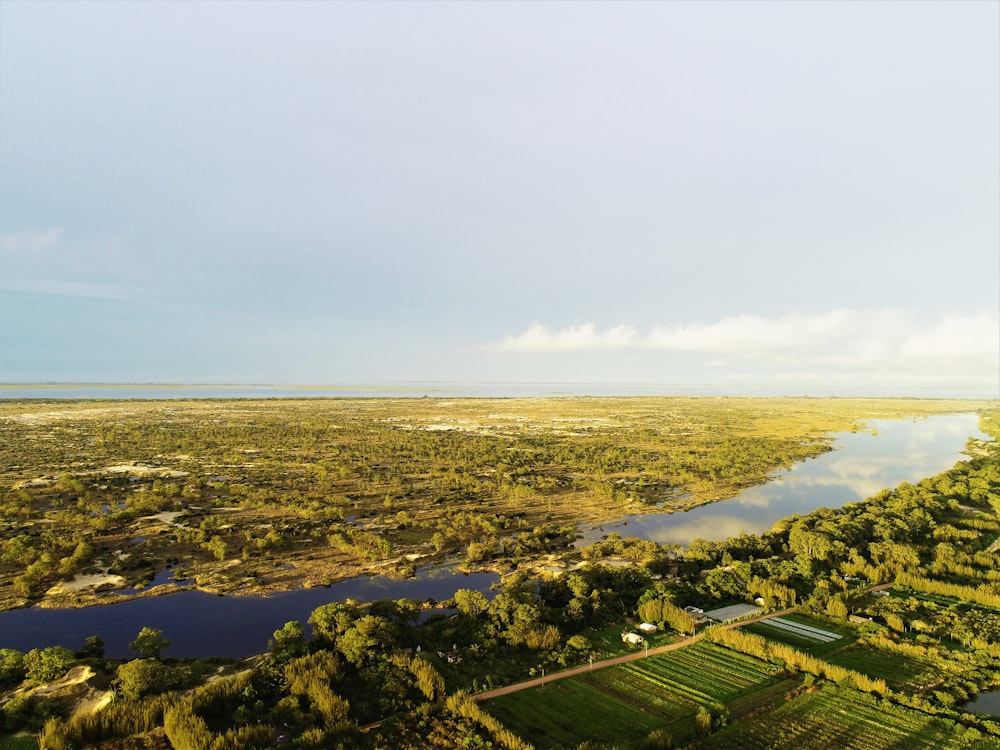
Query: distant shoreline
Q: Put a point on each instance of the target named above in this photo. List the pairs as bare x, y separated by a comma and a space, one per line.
470, 389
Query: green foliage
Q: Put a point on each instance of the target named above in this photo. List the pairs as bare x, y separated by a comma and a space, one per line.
12, 669
289, 641
47, 664
149, 643
141, 676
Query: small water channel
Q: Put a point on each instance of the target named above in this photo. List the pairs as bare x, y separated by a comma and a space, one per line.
200, 624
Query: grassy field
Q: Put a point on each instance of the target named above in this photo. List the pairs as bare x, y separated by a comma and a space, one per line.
622, 705
18, 743
900, 671
833, 717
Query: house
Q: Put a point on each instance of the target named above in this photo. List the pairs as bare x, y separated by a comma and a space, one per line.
648, 628
633, 639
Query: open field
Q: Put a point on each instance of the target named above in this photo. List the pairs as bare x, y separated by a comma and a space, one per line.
900, 671
333, 488
627, 702
832, 717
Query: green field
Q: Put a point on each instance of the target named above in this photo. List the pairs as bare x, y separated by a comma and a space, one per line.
833, 717
623, 704
900, 671
18, 743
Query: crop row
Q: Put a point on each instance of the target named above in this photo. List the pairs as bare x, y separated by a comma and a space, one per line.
834, 717
634, 687
897, 669
564, 713
706, 675
726, 661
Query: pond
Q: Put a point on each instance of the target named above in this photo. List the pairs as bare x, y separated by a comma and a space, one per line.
885, 454
985, 703
200, 624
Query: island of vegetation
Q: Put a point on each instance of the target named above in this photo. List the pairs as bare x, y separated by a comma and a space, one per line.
868, 626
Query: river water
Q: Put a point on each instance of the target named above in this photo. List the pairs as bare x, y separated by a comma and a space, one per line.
200, 624
885, 454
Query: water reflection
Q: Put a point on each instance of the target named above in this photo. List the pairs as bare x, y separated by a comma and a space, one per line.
200, 624
985, 703
861, 465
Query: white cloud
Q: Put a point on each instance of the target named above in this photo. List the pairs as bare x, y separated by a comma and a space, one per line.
886, 340
29, 240
539, 338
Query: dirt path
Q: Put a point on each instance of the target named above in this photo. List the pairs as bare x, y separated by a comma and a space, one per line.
489, 694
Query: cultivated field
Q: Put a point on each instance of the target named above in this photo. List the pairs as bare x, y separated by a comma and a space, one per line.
626, 703
832, 717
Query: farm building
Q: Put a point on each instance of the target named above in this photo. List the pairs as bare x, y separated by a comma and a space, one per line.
648, 628
632, 638
734, 612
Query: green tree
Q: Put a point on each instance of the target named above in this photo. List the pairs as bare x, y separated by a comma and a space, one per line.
367, 638
332, 620
471, 602
93, 648
289, 641
141, 676
149, 643
12, 669
47, 664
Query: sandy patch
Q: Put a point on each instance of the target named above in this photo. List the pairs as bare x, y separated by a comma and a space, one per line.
74, 676
141, 470
84, 581
168, 517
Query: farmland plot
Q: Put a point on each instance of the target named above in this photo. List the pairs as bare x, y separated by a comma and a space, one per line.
621, 705
900, 671
833, 717
800, 632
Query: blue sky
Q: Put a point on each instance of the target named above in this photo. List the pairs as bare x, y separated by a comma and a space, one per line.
803, 197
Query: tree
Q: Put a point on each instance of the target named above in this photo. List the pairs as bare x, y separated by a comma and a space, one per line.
289, 641
93, 648
47, 664
333, 620
11, 666
141, 676
470, 602
366, 637
149, 643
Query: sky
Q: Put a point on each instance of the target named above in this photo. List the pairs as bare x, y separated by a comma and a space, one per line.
791, 197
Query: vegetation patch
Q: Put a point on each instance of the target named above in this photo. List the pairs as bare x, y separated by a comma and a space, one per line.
624, 704
18, 743
833, 717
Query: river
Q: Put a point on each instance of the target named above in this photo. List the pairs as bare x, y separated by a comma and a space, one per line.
201, 625
885, 454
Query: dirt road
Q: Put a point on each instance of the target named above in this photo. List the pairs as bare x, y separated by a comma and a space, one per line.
487, 695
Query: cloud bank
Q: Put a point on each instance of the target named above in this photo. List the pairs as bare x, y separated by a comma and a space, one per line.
853, 339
